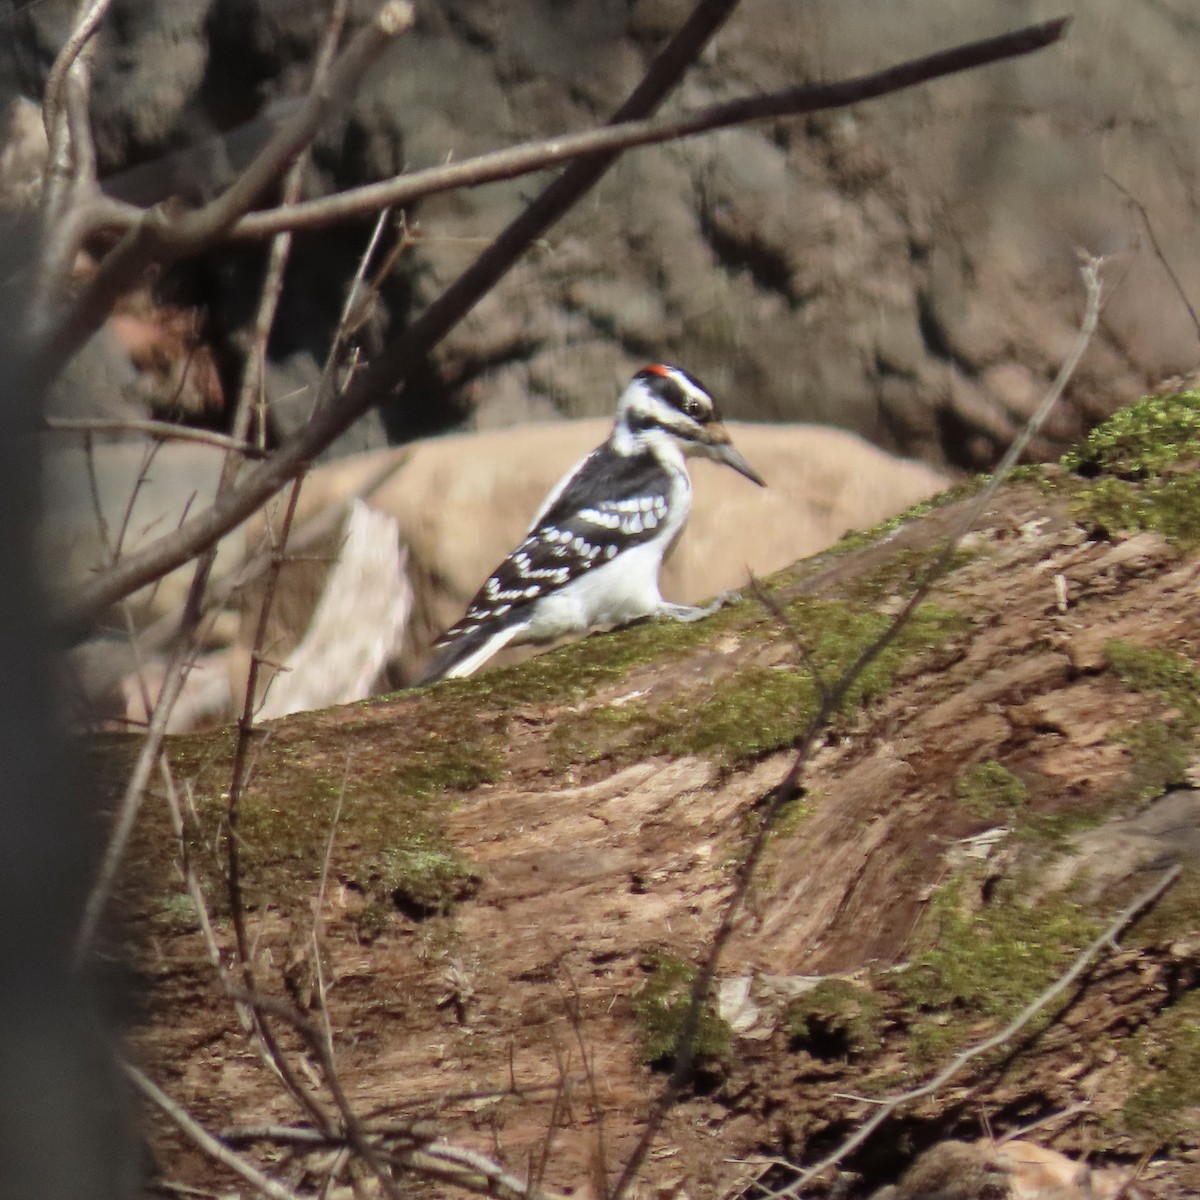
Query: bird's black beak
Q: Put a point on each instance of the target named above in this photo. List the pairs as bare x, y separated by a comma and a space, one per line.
722, 449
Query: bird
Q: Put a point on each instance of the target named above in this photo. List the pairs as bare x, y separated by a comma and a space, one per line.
594, 550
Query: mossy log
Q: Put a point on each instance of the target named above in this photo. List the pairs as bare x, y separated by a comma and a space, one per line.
515, 858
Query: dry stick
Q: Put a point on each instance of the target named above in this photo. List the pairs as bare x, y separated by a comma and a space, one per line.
151, 751
1158, 252
393, 367
162, 235
205, 1140
249, 398
311, 533
237, 785
70, 179
318, 930
264, 321
530, 157
162, 431
831, 700
472, 1171
355, 306
87, 21
131, 800
599, 1157
1092, 952
356, 1134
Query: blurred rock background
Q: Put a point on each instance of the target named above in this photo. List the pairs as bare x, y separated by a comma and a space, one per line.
905, 270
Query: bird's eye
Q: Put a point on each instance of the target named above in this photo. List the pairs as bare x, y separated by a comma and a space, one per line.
692, 407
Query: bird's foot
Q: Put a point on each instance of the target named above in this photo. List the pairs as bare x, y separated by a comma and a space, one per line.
688, 613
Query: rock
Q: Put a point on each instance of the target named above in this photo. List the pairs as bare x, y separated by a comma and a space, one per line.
356, 626
906, 269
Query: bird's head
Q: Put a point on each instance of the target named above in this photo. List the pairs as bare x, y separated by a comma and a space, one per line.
667, 404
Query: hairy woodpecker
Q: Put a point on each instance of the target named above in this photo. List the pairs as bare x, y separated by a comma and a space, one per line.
593, 552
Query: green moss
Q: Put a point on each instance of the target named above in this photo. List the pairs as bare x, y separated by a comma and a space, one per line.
903, 571
760, 709
1159, 755
386, 783
990, 790
1149, 437
598, 732
661, 1007
178, 914
1175, 916
1160, 750
794, 813
836, 1019
1142, 462
1164, 673
986, 962
741, 714
1166, 1105
577, 670
425, 877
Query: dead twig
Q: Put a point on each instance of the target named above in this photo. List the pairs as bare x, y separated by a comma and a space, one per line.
197, 1134
531, 157
1096, 950
87, 21
250, 399
1158, 251
161, 431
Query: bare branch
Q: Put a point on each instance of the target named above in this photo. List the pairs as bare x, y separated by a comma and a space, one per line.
135, 789
1103, 943
69, 183
552, 152
86, 23
473, 1172
281, 246
163, 234
187, 1125
390, 370
162, 431
1158, 251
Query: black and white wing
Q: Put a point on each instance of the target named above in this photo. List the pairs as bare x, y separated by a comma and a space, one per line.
608, 504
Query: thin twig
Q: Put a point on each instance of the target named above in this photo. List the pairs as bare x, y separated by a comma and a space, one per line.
395, 364
69, 182
135, 789
472, 1171
187, 1125
220, 591
87, 21
163, 431
355, 306
1158, 251
1096, 950
532, 157
281, 245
